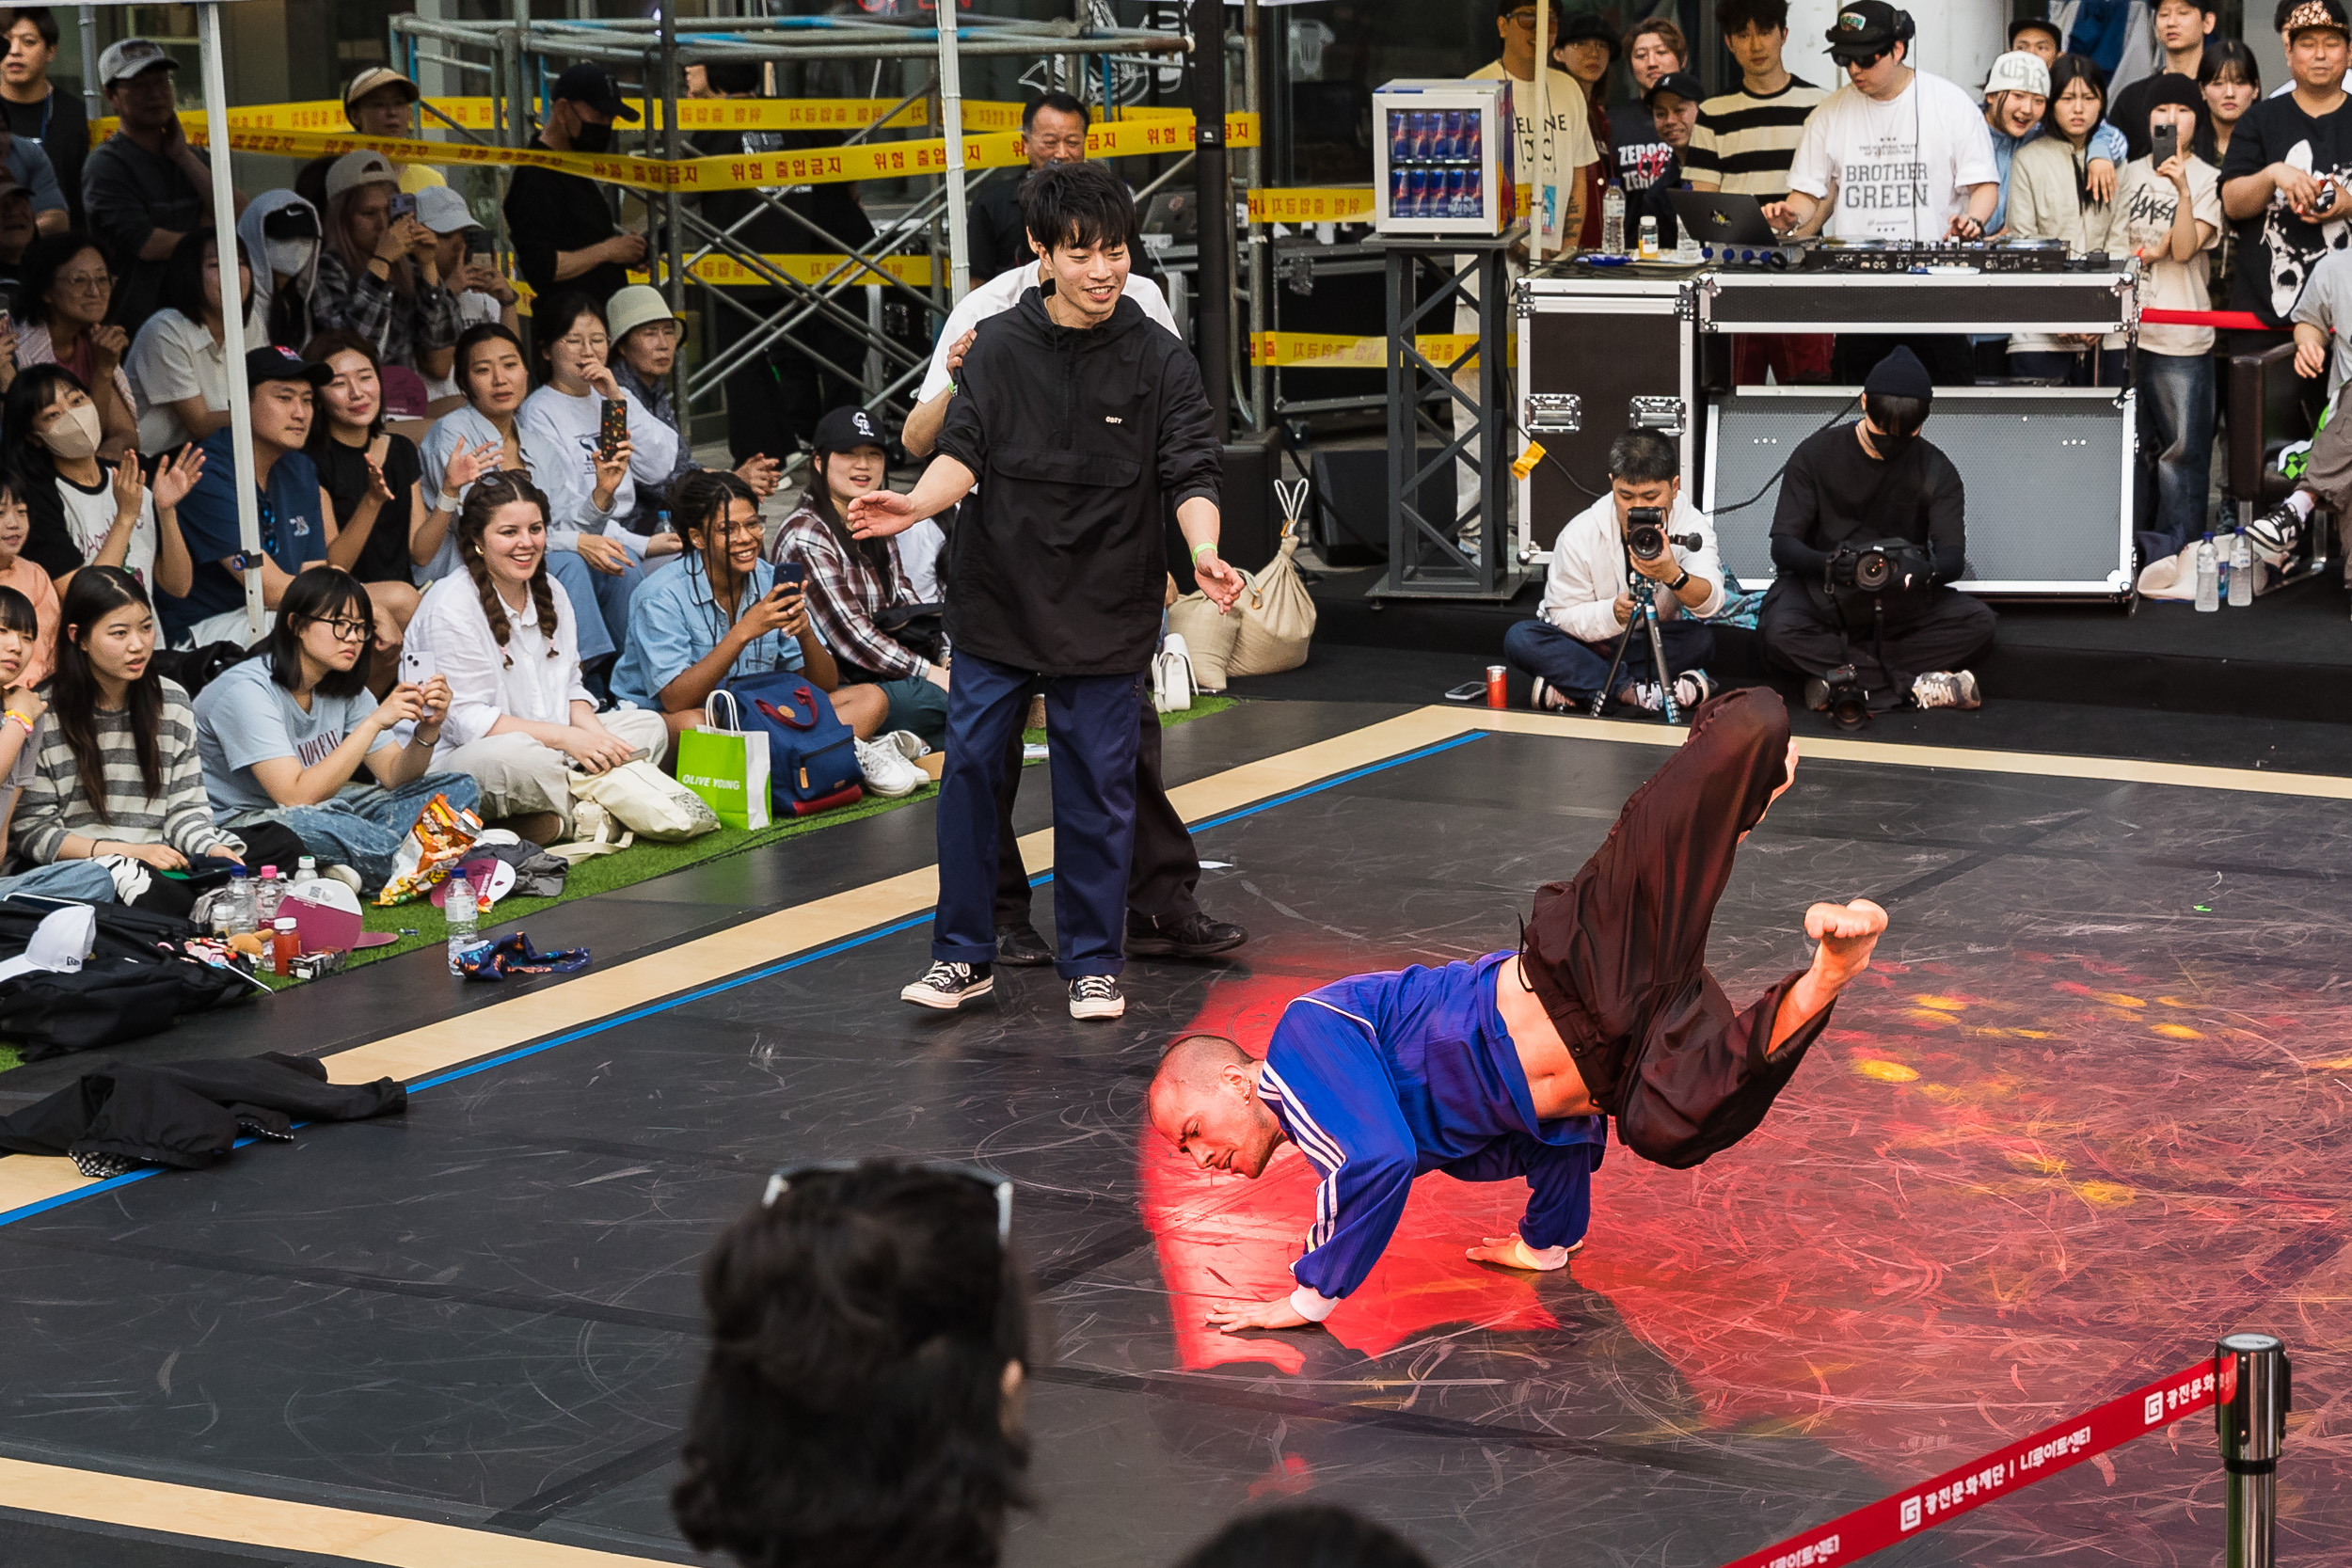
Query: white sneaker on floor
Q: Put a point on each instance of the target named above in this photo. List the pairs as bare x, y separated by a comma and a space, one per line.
888, 773
1096, 996
908, 743
1647, 696
1946, 689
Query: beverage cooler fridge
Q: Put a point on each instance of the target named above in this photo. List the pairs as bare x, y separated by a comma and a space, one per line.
1442, 154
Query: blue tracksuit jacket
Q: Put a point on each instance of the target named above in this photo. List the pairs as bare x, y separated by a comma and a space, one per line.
1381, 1077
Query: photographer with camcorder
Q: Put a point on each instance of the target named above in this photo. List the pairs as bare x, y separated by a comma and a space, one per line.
1871, 527
1645, 530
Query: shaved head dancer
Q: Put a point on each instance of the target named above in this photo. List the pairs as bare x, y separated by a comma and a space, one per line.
1510, 1066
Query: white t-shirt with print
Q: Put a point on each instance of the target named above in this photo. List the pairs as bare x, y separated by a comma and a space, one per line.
2144, 208
1571, 134
89, 514
1900, 169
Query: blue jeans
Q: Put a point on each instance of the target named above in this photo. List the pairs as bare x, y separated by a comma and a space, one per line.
76, 882
608, 592
364, 825
2175, 461
1092, 724
1576, 668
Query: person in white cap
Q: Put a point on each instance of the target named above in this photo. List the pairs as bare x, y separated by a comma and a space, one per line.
144, 186
484, 294
645, 334
379, 274
2015, 94
380, 102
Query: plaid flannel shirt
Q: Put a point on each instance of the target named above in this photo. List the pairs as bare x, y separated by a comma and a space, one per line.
845, 594
400, 325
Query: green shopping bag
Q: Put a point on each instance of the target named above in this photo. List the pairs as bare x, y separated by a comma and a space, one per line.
726, 765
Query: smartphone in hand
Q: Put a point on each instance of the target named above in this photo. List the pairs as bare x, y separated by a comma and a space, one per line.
791, 577
403, 205
613, 430
2164, 144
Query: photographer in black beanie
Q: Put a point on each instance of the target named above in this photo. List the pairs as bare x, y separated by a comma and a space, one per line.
1870, 529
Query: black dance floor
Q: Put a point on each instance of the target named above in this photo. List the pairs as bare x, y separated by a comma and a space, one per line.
2089, 1114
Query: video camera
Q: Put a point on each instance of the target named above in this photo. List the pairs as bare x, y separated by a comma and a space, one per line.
1880, 565
1646, 534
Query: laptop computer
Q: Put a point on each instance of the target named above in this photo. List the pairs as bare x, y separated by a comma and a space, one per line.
1716, 218
1173, 215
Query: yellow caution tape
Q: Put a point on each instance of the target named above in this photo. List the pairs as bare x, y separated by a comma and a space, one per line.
1320, 351
823, 166
325, 114
1336, 204
1525, 463
725, 272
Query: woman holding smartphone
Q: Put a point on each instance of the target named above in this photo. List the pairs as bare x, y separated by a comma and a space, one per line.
727, 614
378, 272
581, 408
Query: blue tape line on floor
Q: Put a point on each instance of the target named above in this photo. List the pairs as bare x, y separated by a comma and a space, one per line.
736, 982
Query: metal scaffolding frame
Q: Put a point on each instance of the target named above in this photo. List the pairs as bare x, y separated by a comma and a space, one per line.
514, 56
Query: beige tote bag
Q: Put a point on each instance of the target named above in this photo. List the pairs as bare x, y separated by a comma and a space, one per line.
1278, 617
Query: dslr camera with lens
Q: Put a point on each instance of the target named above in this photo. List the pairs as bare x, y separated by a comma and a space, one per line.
1878, 566
1647, 537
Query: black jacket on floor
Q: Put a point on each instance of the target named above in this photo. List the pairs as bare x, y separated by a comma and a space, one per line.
190, 1114
1081, 438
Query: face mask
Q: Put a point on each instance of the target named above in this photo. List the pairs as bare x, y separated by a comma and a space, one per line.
75, 434
290, 258
592, 139
1892, 448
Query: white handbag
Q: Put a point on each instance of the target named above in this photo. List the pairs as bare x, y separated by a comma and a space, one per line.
1173, 685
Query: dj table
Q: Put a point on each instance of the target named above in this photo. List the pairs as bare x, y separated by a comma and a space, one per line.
2048, 469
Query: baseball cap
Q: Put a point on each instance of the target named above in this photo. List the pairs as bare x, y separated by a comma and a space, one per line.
2313, 14
353, 170
1679, 83
1864, 29
634, 306
132, 57
2019, 71
591, 83
443, 211
278, 362
376, 76
845, 428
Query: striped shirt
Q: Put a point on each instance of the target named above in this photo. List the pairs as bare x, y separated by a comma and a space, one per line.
53, 805
1745, 141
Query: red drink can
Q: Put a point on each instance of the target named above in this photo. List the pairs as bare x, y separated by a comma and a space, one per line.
1497, 688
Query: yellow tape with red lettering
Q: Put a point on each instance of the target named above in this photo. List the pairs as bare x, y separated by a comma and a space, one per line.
1323, 351
327, 116
824, 165
725, 272
1335, 204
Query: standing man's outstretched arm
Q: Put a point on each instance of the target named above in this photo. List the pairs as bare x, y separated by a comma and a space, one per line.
1845, 933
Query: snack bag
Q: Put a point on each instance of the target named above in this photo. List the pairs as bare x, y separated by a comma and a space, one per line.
435, 847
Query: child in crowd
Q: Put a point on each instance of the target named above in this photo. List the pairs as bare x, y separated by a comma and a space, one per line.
505, 635
370, 475
28, 582
284, 735
852, 582
178, 363
488, 436
22, 727
117, 778
85, 509
720, 615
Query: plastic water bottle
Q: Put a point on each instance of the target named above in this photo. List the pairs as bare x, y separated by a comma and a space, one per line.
2241, 572
240, 900
462, 917
2208, 575
1612, 220
266, 893
306, 869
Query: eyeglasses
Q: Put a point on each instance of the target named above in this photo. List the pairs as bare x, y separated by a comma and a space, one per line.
347, 632
726, 528
83, 282
579, 344
1525, 17
998, 1186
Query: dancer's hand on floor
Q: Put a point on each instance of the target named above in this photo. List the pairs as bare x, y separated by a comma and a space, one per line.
1847, 933
1511, 1253
1278, 1313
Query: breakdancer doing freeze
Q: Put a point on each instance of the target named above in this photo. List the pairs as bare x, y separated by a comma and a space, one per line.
1510, 1065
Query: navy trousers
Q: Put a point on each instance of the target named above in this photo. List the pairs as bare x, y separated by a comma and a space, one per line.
1092, 725
1576, 669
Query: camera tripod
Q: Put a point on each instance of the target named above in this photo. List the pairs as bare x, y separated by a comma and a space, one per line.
1646, 617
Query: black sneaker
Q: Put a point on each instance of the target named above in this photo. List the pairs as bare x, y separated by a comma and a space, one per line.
1191, 936
1022, 947
2275, 532
948, 986
1096, 996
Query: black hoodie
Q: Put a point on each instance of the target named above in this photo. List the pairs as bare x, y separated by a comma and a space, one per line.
1080, 437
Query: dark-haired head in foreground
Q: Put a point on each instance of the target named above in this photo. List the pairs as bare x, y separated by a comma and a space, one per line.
859, 1409
1305, 1535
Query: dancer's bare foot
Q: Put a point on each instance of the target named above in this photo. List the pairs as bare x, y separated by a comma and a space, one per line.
1845, 934
1511, 1253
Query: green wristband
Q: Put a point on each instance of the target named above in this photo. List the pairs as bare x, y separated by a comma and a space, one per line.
1197, 548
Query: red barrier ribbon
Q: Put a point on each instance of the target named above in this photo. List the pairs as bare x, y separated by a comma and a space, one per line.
1881, 1524
2228, 321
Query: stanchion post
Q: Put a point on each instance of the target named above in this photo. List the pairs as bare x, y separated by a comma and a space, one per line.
2254, 1392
